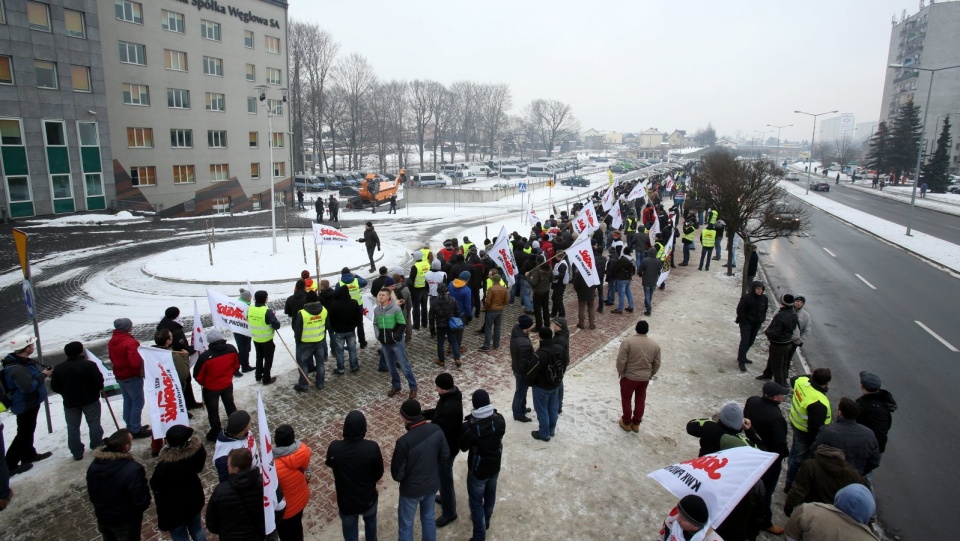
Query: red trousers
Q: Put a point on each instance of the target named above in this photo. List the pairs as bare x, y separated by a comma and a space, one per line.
637, 390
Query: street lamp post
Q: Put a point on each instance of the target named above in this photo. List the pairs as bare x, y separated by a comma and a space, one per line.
812, 137
273, 197
923, 127
778, 138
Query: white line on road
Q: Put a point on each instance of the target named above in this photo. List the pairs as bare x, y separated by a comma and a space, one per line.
829, 252
871, 286
937, 336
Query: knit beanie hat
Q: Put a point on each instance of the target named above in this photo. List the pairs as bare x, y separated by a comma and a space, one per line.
435, 266
410, 410
73, 349
237, 422
444, 381
123, 324
245, 295
305, 274
284, 436
731, 416
480, 398
856, 502
389, 282
694, 509
787, 299
178, 435
260, 296
172, 312
213, 335
525, 321
465, 275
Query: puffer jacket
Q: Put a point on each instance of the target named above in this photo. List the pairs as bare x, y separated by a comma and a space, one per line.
342, 316
540, 279
417, 457
126, 360
357, 465
482, 436
461, 293
780, 330
215, 368
445, 307
521, 350
649, 269
752, 308
292, 461
820, 477
876, 413
117, 486
176, 484
390, 323
235, 511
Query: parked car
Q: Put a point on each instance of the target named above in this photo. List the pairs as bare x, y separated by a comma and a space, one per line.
819, 186
954, 186
618, 169
792, 175
575, 181
305, 183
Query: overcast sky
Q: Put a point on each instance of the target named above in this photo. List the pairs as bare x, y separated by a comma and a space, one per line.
628, 65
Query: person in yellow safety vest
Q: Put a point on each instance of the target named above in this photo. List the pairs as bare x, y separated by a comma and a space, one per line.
354, 284
713, 216
708, 239
809, 411
310, 333
244, 343
263, 322
689, 231
419, 290
427, 254
659, 246
466, 245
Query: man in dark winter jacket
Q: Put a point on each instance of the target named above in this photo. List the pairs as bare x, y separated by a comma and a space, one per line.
558, 285
545, 374
415, 464
177, 489
26, 380
521, 353
357, 465
80, 382
318, 205
715, 435
482, 437
624, 268
235, 510
751, 313
354, 284
649, 272
820, 477
859, 444
586, 299
310, 336
174, 323
342, 323
296, 301
780, 335
117, 486
768, 422
244, 343
370, 241
447, 415
539, 279
334, 206
876, 408
446, 307
214, 372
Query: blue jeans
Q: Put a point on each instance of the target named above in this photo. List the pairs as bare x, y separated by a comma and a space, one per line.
483, 496
799, 451
526, 294
73, 417
132, 391
192, 529
312, 352
623, 290
491, 328
705, 253
546, 402
393, 354
350, 524
454, 339
520, 396
611, 289
337, 342
648, 297
406, 508
448, 493
686, 253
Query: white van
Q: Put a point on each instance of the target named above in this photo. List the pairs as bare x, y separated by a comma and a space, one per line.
508, 171
483, 171
540, 170
428, 180
450, 168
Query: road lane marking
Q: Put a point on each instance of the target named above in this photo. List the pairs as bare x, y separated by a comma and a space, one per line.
829, 252
937, 336
871, 286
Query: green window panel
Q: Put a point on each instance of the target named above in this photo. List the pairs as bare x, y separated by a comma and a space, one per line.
58, 161
61, 206
90, 156
21, 210
14, 161
96, 203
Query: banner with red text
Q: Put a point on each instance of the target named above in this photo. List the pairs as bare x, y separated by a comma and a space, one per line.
267, 468
639, 190
587, 220
534, 219
368, 304
502, 255
228, 312
608, 199
581, 254
161, 391
325, 234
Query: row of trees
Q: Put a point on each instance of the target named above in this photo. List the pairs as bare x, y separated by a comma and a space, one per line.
338, 98
894, 148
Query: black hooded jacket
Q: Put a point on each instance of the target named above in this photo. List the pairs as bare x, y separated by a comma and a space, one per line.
78, 380
117, 485
235, 512
876, 413
176, 484
357, 465
483, 438
342, 316
180, 342
752, 308
448, 416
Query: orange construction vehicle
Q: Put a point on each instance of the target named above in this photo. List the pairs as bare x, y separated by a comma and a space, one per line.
376, 190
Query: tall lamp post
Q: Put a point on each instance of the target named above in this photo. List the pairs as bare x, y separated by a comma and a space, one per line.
762, 133
273, 197
923, 127
812, 136
778, 138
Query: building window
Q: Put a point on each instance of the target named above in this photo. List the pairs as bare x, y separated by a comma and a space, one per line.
80, 78
93, 184
6, 70
215, 102
252, 106
143, 176
178, 98
181, 138
272, 44
172, 21
46, 74
87, 133
54, 133
61, 187
279, 169
139, 137
254, 140
251, 73
219, 172
134, 94
273, 76
275, 107
254, 171
38, 16
133, 53
10, 133
276, 139
248, 39
210, 30
184, 174
217, 138
74, 22
132, 12
212, 66
175, 60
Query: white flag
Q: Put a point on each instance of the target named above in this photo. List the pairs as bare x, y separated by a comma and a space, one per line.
500, 252
608, 199
369, 303
581, 254
198, 339
670, 183
161, 390
267, 468
534, 219
586, 222
667, 250
617, 214
325, 234
654, 229
228, 312
640, 190
109, 380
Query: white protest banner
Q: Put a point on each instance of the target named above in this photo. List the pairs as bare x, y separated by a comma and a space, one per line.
669, 183
109, 380
534, 219
586, 221
581, 254
161, 391
324, 234
639, 190
654, 230
198, 340
501, 254
721, 479
228, 312
608, 199
267, 468
617, 214
667, 250
369, 303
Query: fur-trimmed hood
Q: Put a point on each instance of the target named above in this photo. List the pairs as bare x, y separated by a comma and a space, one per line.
178, 454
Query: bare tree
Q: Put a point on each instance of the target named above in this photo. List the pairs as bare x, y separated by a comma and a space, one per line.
441, 99
336, 100
319, 51
845, 150
421, 109
355, 76
398, 95
297, 93
379, 106
466, 95
552, 120
493, 114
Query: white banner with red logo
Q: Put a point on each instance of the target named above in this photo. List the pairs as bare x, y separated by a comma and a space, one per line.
640, 190
721, 479
161, 391
670, 183
109, 380
608, 198
267, 468
534, 219
369, 303
502, 255
667, 250
617, 214
587, 220
324, 234
581, 254
197, 339
228, 312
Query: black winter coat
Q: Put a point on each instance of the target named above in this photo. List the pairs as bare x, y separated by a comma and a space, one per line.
235, 511
179, 339
768, 422
357, 465
176, 484
876, 413
417, 458
343, 316
448, 415
710, 432
483, 439
78, 380
521, 350
117, 485
584, 292
445, 307
649, 269
780, 330
295, 303
752, 308
546, 356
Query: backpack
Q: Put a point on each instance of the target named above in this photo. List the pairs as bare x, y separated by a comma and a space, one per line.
553, 370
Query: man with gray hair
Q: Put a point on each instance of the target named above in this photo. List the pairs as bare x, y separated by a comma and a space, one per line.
128, 368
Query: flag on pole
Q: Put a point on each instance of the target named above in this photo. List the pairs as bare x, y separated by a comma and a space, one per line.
228, 312
654, 229
608, 199
325, 234
109, 380
500, 252
581, 254
369, 303
198, 339
162, 392
617, 214
267, 468
670, 183
639, 190
586, 221
667, 250
534, 219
